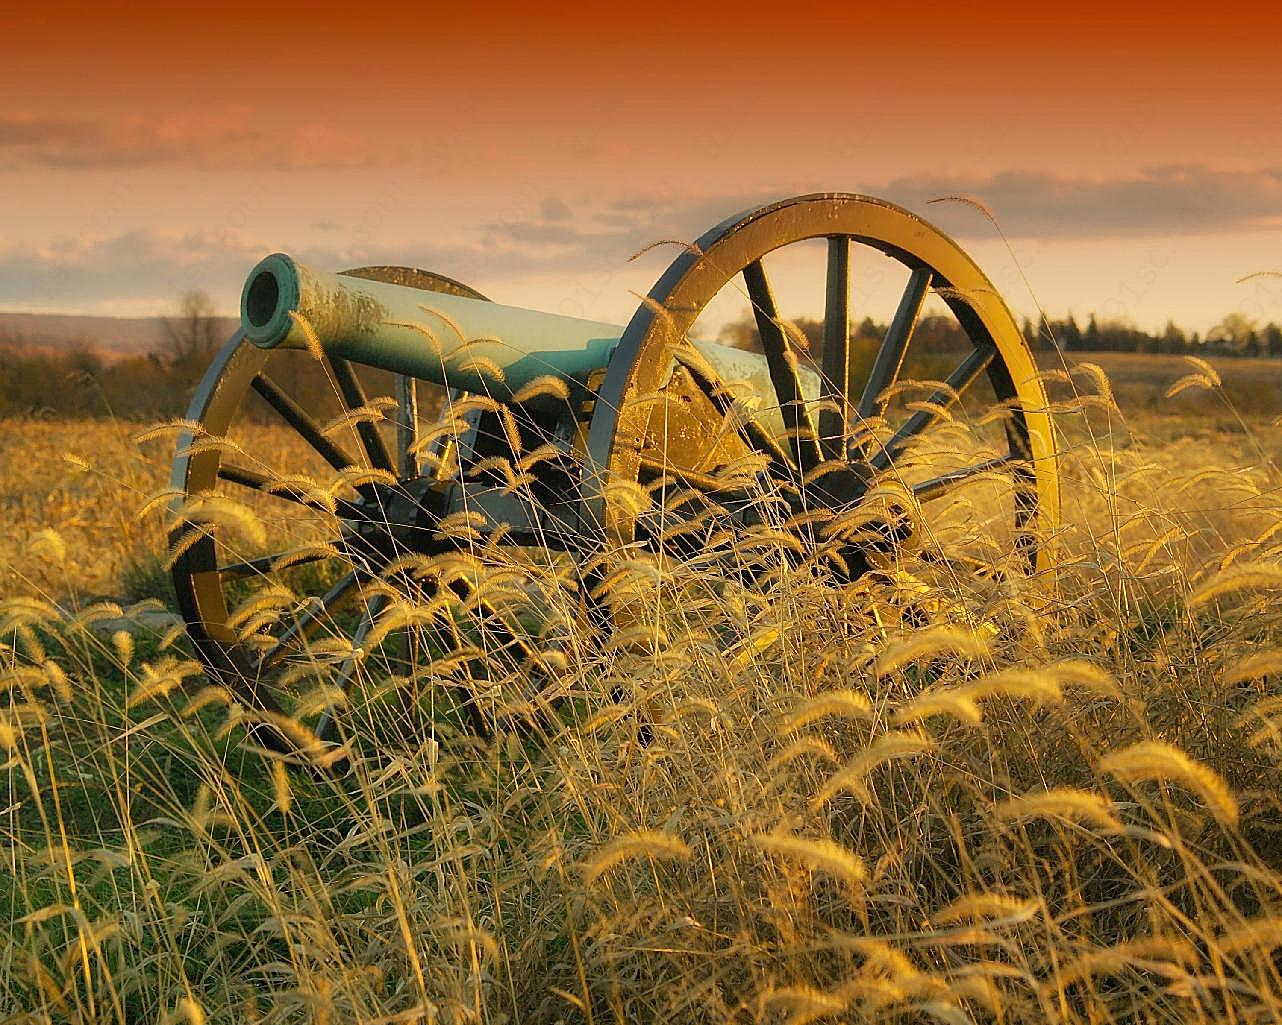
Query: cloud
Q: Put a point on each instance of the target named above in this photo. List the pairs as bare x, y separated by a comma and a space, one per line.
148, 269
651, 216
1170, 200
1159, 201
222, 141
553, 209
609, 236
151, 267
537, 233
142, 265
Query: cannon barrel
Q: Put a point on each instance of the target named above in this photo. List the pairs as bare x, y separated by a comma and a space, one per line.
463, 343
448, 339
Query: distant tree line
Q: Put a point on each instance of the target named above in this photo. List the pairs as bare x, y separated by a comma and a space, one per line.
81, 383
931, 335
78, 382
1235, 335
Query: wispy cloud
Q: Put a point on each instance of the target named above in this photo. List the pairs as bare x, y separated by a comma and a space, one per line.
150, 268
1178, 199
539, 234
608, 235
140, 265
154, 266
554, 209
222, 141
1156, 202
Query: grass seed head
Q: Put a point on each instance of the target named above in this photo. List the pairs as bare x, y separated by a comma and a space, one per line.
1157, 760
642, 844
1253, 577
886, 748
1061, 803
818, 855
841, 704
931, 642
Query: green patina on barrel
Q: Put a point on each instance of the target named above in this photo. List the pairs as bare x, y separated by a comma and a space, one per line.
462, 343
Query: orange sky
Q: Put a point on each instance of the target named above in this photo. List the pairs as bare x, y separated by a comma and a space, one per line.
1133, 156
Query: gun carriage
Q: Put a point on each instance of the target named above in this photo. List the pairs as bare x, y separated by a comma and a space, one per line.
585, 441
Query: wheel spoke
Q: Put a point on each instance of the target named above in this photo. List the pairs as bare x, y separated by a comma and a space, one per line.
343, 678
936, 486
890, 357
406, 426
833, 423
308, 619
501, 629
958, 381
354, 396
1026, 510
248, 478
783, 367
299, 419
502, 636
452, 638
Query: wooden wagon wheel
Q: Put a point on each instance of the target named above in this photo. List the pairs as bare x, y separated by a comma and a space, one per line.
293, 581
664, 421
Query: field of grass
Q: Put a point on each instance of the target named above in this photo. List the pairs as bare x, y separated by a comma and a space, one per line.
1252, 387
936, 794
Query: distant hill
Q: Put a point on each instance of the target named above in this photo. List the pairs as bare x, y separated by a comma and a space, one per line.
111, 338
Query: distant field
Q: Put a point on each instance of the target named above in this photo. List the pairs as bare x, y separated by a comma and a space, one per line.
111, 338
1140, 381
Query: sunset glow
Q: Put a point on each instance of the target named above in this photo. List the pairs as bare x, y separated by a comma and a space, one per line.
1132, 159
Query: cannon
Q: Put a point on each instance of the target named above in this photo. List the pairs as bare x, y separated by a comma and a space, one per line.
582, 442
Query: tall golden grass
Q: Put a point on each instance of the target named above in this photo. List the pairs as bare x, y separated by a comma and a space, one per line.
936, 794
